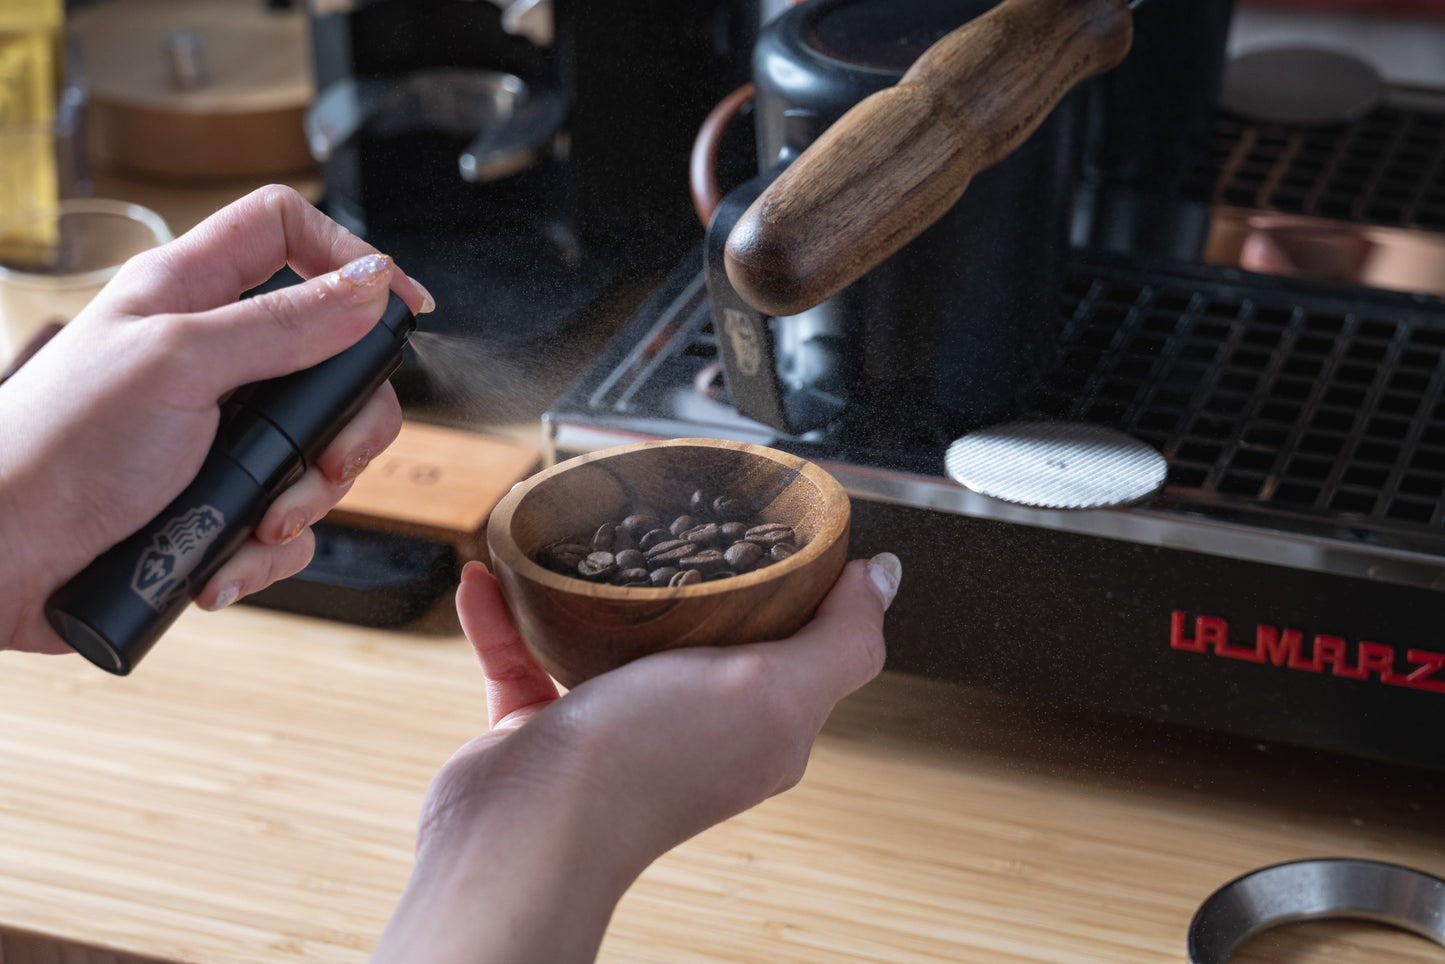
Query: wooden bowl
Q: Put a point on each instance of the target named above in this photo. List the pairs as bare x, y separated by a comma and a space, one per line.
577, 629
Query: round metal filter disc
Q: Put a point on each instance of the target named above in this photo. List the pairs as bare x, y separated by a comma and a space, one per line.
1300, 85
1056, 465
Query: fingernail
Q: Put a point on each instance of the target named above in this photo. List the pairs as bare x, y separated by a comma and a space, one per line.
291, 528
358, 281
227, 596
354, 465
428, 303
885, 571
474, 566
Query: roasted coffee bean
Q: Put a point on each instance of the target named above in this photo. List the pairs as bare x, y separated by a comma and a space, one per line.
563, 557
598, 566
640, 524
769, 534
705, 561
709, 536
724, 507
668, 553
685, 577
715, 539
721, 574
631, 559
742, 556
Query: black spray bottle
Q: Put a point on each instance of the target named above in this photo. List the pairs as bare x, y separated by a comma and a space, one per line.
113, 612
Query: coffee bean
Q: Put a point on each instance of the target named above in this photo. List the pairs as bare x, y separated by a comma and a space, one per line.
742, 556
709, 535
705, 561
713, 540
685, 577
769, 534
598, 566
721, 574
724, 508
628, 577
668, 553
563, 557
640, 524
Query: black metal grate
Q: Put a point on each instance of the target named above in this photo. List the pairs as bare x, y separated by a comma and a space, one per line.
1387, 168
1260, 401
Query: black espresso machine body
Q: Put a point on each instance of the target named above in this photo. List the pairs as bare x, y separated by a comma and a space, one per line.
1285, 585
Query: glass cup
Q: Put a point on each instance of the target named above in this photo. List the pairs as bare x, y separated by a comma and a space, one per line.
94, 237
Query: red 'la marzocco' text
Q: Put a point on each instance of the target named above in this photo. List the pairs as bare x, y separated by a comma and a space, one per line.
1290, 649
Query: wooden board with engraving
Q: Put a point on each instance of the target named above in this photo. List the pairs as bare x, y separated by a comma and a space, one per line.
436, 483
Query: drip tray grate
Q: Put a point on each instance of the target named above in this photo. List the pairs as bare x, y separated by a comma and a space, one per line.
1264, 398
1386, 168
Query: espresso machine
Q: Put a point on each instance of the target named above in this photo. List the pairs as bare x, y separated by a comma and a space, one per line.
1247, 285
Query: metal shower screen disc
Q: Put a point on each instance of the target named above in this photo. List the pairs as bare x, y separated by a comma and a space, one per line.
1056, 465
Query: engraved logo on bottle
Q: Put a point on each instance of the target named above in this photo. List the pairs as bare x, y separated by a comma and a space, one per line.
164, 570
745, 341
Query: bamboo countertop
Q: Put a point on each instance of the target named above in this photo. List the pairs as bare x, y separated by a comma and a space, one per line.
250, 795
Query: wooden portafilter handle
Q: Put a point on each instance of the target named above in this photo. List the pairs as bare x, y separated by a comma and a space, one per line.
899, 159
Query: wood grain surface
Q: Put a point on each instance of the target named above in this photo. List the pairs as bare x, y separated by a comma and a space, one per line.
897, 161
250, 795
438, 483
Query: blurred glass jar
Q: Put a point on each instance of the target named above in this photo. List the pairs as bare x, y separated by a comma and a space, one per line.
93, 238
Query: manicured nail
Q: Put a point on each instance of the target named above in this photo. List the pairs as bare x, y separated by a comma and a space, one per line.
359, 460
227, 596
886, 572
474, 566
357, 282
291, 528
428, 303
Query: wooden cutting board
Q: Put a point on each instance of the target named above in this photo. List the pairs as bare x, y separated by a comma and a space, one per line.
245, 121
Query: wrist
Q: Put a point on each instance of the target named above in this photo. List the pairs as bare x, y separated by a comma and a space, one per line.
527, 871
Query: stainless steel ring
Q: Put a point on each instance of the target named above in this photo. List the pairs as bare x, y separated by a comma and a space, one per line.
1304, 890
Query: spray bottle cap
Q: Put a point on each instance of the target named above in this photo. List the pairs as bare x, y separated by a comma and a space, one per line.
398, 318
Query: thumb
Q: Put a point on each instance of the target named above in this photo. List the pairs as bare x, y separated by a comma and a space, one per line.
292, 328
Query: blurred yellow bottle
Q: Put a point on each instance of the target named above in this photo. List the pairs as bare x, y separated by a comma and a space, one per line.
30, 71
